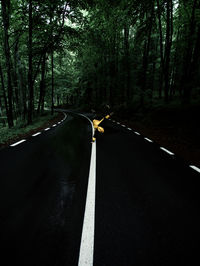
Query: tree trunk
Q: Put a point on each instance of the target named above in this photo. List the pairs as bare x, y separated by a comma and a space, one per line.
185, 84
146, 56
127, 61
5, 9
30, 62
52, 83
42, 86
161, 50
4, 93
168, 44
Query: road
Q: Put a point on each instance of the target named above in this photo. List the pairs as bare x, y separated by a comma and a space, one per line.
146, 201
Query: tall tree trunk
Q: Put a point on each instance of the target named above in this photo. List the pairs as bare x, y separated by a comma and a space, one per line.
146, 55
42, 86
30, 63
5, 9
52, 83
168, 44
127, 61
161, 50
4, 93
185, 84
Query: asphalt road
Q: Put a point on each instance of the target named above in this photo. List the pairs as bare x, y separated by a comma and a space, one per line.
147, 203
146, 209
43, 184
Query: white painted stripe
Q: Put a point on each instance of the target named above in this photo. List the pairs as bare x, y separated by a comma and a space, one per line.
118, 123
167, 151
34, 135
54, 126
137, 133
87, 240
123, 126
195, 168
149, 140
129, 128
47, 129
113, 120
86, 252
17, 143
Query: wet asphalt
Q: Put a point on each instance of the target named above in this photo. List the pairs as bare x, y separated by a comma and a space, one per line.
43, 184
147, 202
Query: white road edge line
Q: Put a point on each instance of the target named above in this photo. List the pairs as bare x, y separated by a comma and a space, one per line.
149, 140
167, 151
137, 133
17, 143
195, 168
86, 253
36, 134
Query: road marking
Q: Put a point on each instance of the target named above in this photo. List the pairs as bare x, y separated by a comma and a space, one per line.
195, 168
47, 129
167, 151
34, 135
54, 126
123, 126
149, 140
137, 133
118, 123
86, 252
17, 143
129, 128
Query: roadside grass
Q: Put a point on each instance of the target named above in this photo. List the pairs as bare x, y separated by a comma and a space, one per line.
21, 128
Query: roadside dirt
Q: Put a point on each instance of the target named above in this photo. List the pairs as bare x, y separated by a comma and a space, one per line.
176, 130
48, 123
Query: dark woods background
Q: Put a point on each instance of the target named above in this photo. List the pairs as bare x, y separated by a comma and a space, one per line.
132, 55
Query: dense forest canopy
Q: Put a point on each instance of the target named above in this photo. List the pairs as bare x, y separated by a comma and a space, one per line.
126, 53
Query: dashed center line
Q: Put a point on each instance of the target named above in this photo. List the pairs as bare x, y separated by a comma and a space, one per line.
34, 135
54, 126
137, 133
149, 140
123, 126
195, 168
47, 129
17, 143
129, 128
167, 151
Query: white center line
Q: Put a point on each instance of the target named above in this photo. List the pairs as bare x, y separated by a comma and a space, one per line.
47, 128
34, 135
129, 128
87, 239
15, 144
123, 126
137, 133
118, 123
54, 126
195, 168
167, 151
149, 140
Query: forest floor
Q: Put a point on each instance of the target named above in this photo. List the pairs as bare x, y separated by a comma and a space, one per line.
9, 136
176, 128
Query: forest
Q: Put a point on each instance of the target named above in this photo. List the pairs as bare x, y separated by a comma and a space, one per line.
129, 54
